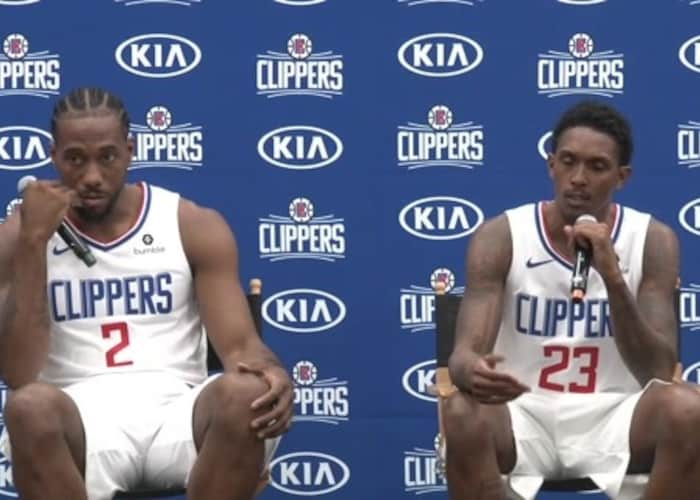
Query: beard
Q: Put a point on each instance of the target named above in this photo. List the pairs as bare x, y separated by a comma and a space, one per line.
94, 215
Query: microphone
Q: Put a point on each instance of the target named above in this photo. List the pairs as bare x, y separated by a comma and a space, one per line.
582, 264
65, 231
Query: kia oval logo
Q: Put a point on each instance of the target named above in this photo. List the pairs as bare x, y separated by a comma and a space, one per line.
308, 473
158, 55
418, 378
440, 218
300, 147
303, 310
440, 55
24, 148
689, 54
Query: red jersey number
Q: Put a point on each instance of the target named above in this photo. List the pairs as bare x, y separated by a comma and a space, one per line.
562, 356
120, 331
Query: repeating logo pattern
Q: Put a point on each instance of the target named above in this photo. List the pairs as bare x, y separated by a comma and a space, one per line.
301, 70
161, 144
581, 70
302, 234
440, 143
35, 74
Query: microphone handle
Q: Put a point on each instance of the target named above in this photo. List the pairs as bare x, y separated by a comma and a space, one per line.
75, 243
579, 278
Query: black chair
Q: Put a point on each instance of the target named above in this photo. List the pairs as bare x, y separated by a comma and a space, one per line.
214, 365
446, 309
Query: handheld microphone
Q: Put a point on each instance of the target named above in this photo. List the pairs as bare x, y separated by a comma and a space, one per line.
582, 264
65, 231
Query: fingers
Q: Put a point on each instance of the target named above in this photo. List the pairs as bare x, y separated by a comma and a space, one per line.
246, 368
274, 423
279, 418
494, 387
497, 394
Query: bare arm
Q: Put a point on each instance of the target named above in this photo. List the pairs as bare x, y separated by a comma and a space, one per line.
488, 261
8, 241
211, 249
213, 255
646, 332
25, 335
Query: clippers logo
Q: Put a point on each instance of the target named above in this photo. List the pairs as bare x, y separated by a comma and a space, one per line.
580, 70
689, 307
303, 310
417, 303
13, 3
440, 218
300, 147
692, 373
422, 472
440, 55
418, 378
24, 148
324, 401
441, 143
299, 71
308, 473
689, 144
160, 144
183, 3
36, 74
689, 216
300, 3
158, 55
411, 3
301, 234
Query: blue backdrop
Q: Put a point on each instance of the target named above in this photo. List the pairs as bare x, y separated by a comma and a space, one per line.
354, 147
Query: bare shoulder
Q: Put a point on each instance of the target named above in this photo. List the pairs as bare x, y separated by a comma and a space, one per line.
490, 249
204, 231
661, 251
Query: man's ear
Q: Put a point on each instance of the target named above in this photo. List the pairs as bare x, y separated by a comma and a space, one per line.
625, 172
550, 165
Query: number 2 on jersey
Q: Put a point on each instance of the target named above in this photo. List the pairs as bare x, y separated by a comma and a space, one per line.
563, 355
121, 330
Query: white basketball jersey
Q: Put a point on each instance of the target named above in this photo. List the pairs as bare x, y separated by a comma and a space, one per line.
550, 343
134, 310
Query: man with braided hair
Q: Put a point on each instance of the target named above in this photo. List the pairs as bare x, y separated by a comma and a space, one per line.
107, 364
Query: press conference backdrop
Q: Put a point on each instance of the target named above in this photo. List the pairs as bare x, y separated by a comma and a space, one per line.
355, 146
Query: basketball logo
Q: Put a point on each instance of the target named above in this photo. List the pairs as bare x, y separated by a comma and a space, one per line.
15, 46
299, 46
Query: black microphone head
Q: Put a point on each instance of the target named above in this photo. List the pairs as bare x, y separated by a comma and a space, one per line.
585, 218
24, 182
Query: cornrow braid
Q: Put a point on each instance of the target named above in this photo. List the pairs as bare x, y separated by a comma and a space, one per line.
86, 100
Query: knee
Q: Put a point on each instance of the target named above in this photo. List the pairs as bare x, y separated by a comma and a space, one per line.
235, 393
33, 412
680, 414
463, 421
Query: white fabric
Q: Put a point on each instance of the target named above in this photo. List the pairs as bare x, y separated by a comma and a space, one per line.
134, 310
575, 421
138, 432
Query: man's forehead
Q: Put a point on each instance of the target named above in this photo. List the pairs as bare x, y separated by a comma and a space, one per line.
587, 138
89, 126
